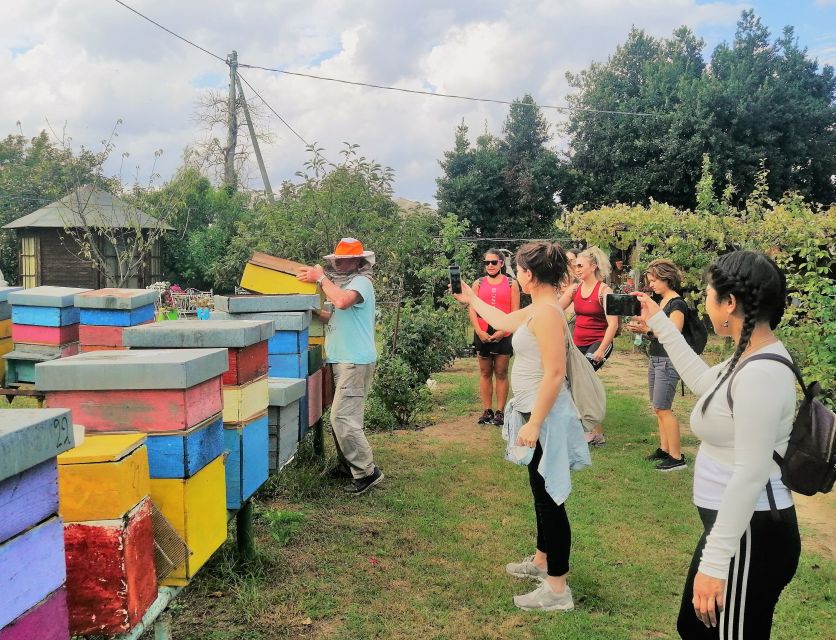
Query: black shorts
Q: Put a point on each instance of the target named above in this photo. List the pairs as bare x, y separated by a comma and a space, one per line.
592, 348
488, 349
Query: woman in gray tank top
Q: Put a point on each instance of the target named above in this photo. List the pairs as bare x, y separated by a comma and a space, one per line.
541, 421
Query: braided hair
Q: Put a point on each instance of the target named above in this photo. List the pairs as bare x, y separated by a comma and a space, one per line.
758, 286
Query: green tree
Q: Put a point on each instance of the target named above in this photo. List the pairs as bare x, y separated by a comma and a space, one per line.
503, 186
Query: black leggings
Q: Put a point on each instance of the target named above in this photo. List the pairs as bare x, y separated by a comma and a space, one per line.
764, 564
554, 536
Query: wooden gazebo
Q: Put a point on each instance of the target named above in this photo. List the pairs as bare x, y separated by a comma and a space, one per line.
49, 254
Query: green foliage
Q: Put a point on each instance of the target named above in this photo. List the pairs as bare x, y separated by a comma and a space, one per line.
420, 339
33, 173
283, 525
800, 237
503, 186
755, 99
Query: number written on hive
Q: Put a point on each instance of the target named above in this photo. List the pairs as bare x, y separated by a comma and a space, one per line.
62, 432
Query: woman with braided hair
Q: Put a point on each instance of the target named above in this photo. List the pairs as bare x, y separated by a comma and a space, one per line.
750, 545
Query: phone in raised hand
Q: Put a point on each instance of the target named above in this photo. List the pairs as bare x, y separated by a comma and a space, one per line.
455, 278
622, 304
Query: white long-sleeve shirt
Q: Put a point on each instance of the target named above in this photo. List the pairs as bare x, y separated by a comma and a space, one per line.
734, 461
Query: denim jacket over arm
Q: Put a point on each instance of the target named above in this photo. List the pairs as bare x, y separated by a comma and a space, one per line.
563, 441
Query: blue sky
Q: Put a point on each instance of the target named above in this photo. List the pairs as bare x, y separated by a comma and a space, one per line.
81, 65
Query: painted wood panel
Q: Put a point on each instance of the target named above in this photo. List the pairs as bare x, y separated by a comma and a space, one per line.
288, 342
287, 365
317, 328
264, 280
314, 359
45, 335
20, 372
242, 402
31, 567
327, 387
148, 411
5, 328
247, 465
104, 478
103, 336
47, 620
117, 317
314, 397
304, 423
45, 316
181, 454
31, 436
28, 498
196, 508
246, 364
111, 579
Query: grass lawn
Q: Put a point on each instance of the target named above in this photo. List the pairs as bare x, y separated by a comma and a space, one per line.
424, 555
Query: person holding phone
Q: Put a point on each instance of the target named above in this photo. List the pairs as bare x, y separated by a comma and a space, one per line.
594, 330
493, 347
664, 278
543, 410
750, 546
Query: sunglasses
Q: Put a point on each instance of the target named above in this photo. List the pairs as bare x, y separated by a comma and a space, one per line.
492, 262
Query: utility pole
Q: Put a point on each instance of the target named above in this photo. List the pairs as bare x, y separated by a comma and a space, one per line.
264, 179
230, 179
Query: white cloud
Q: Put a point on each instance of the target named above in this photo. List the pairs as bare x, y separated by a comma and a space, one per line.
89, 63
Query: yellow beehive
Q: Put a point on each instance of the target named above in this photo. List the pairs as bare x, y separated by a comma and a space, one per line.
267, 274
242, 402
103, 478
196, 508
5, 329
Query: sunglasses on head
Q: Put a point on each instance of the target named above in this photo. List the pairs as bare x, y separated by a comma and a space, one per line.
492, 262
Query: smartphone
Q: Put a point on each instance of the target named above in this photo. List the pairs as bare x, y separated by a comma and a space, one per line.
455, 278
621, 304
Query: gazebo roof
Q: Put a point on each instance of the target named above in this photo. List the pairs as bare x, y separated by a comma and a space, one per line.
89, 204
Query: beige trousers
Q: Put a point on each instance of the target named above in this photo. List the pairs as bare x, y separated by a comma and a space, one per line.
352, 383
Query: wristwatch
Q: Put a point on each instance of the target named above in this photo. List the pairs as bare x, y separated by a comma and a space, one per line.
320, 279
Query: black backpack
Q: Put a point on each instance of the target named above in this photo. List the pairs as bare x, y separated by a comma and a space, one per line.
809, 465
694, 330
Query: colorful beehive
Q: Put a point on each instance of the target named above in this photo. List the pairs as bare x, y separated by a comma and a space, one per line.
44, 327
264, 273
196, 509
32, 569
255, 303
283, 420
327, 387
246, 341
108, 533
111, 579
181, 454
105, 313
149, 391
242, 402
6, 343
247, 465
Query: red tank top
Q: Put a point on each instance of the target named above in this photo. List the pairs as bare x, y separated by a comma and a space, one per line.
590, 321
497, 295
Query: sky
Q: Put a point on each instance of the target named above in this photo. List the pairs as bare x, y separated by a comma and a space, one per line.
77, 67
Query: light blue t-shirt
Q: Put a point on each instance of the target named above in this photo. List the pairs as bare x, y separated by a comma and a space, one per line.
349, 335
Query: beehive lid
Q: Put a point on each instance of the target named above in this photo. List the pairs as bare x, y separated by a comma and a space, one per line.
116, 299
103, 448
46, 296
179, 334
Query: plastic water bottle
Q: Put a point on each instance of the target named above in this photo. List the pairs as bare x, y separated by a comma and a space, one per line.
637, 341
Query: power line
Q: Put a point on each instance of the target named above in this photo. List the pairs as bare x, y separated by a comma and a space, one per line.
381, 86
441, 95
267, 104
167, 30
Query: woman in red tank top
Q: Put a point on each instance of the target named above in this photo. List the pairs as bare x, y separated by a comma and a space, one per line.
493, 347
594, 330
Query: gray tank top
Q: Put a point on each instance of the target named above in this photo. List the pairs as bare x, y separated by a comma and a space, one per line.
527, 372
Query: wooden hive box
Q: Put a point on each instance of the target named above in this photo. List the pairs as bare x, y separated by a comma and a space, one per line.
117, 317
47, 620
147, 390
283, 429
246, 364
5, 329
196, 508
242, 402
31, 567
327, 387
27, 498
45, 316
304, 424
314, 397
36, 334
264, 273
288, 342
314, 359
181, 454
104, 478
243, 306
116, 307
111, 579
317, 328
287, 365
29, 437
92, 335
247, 465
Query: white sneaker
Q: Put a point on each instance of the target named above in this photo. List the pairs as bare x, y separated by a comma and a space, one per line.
526, 569
544, 599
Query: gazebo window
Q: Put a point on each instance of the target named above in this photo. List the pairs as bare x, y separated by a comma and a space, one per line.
29, 263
